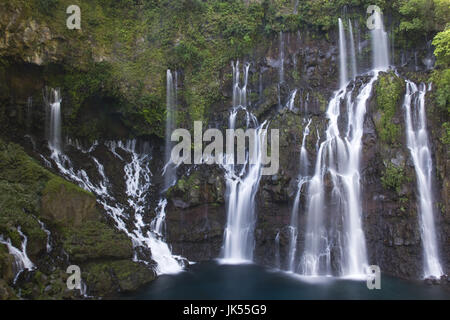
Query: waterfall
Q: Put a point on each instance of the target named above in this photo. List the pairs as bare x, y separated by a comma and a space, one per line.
21, 260
242, 183
352, 51
418, 145
29, 119
302, 179
239, 94
334, 211
161, 252
337, 225
128, 216
55, 121
380, 47
342, 56
281, 62
171, 102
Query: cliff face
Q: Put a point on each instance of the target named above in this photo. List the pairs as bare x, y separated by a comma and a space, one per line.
113, 88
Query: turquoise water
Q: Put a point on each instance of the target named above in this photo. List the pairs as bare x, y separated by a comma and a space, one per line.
212, 281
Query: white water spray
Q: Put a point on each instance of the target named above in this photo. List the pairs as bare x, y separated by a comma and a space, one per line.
334, 214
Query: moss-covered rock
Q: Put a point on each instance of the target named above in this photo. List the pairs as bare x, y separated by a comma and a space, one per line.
29, 192
198, 188
6, 263
6, 292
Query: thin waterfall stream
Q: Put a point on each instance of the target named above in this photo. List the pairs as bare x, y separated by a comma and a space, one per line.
418, 145
334, 216
302, 179
137, 178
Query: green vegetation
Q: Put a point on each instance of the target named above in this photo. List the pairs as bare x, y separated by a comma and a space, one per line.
109, 277
389, 91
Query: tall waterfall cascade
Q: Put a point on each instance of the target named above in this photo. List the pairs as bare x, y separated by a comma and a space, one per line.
354, 68
418, 145
21, 260
343, 78
242, 183
55, 139
137, 180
